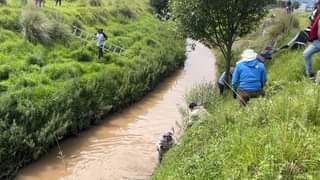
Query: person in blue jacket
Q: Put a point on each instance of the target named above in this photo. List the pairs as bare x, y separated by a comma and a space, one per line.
249, 77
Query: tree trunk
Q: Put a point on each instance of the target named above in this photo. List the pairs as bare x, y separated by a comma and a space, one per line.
228, 63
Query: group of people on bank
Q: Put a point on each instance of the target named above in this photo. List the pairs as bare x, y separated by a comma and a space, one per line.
249, 76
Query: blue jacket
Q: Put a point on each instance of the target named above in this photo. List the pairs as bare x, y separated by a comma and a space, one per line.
249, 76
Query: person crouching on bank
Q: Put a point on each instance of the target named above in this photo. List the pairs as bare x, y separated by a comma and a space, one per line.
249, 77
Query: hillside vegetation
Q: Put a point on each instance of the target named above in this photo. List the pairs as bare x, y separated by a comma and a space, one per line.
276, 137
52, 84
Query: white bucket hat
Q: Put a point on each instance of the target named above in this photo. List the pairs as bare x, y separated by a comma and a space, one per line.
248, 55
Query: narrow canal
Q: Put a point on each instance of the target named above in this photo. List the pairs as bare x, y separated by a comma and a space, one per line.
124, 145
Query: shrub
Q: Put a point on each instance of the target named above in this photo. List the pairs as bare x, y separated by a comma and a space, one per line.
36, 26
127, 12
283, 26
35, 59
60, 32
63, 71
82, 55
203, 94
25, 82
95, 2
124, 11
10, 20
3, 88
4, 72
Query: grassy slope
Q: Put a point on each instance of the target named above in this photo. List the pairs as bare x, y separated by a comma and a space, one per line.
276, 137
50, 91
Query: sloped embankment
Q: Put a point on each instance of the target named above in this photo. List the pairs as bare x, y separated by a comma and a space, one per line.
273, 138
51, 83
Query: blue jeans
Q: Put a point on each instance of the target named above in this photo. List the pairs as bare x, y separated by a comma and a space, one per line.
313, 48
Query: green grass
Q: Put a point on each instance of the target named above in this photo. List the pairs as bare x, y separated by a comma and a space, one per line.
55, 87
276, 137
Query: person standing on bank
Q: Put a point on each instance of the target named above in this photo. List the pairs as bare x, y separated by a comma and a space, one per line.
249, 77
289, 7
40, 3
101, 38
315, 12
222, 81
314, 47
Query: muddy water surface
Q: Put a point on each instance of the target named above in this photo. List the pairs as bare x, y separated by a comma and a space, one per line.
123, 146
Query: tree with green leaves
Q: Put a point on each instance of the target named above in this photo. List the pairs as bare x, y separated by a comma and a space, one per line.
218, 23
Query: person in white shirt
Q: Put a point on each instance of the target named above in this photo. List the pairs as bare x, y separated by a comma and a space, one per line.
101, 38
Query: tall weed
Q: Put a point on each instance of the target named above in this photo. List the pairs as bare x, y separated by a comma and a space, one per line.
36, 26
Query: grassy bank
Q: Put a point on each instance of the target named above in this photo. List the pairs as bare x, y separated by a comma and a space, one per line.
275, 137
52, 84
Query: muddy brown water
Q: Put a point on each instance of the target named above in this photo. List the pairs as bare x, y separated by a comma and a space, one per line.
124, 145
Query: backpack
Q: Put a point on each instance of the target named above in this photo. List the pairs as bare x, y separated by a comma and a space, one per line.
105, 36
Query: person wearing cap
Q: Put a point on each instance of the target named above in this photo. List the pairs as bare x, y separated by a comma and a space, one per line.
249, 77
314, 47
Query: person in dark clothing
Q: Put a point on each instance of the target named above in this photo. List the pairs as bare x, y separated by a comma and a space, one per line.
166, 142
58, 2
221, 81
268, 51
40, 3
289, 7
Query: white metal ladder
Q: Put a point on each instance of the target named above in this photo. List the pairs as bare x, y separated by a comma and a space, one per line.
88, 37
